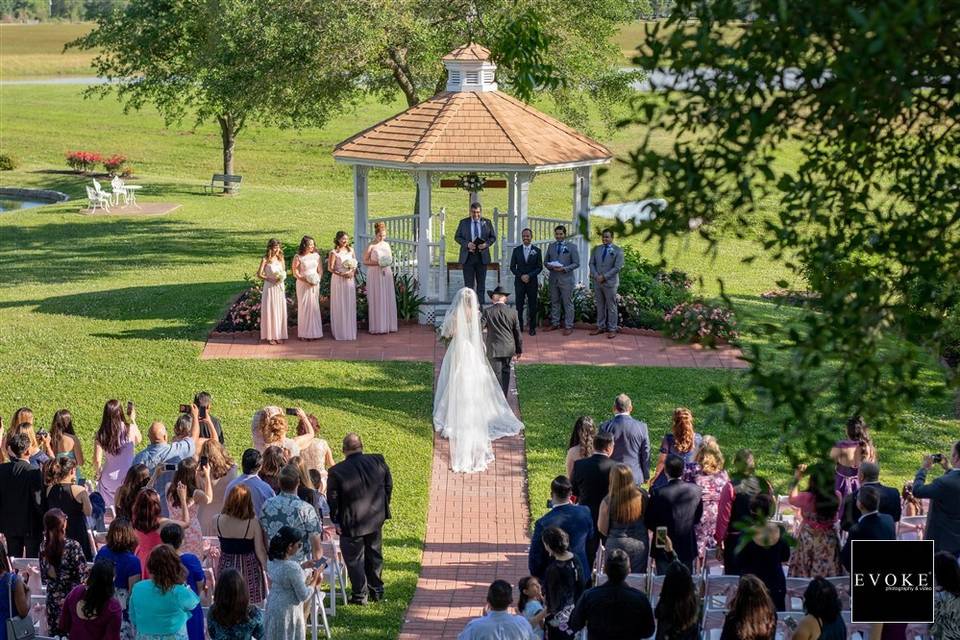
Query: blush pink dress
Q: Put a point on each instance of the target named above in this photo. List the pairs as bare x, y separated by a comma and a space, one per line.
343, 300
309, 320
381, 294
273, 306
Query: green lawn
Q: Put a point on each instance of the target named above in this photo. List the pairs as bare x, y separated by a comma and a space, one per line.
31, 50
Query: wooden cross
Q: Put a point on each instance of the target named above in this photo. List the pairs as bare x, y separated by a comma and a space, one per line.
454, 183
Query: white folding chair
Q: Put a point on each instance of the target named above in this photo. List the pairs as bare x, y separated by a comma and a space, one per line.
859, 630
598, 561
842, 585
335, 573
656, 586
911, 527
795, 589
33, 566
38, 611
712, 624
319, 609
718, 591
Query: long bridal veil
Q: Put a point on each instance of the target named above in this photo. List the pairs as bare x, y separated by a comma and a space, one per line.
469, 408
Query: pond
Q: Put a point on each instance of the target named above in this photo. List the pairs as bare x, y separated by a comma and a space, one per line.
12, 203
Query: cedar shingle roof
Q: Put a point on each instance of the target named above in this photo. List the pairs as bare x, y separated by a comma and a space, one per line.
469, 52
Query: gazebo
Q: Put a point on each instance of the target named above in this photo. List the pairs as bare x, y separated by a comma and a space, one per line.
471, 128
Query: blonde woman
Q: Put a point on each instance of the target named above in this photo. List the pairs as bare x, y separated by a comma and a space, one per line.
273, 300
308, 269
257, 423
621, 518
711, 478
342, 265
317, 454
682, 441
275, 434
381, 294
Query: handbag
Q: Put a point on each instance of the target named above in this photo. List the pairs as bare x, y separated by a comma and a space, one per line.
18, 628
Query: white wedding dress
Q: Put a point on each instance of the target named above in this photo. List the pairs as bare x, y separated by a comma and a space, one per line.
469, 408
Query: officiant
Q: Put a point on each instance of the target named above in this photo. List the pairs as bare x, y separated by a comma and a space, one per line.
475, 235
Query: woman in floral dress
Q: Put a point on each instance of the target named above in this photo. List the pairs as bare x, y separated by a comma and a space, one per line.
62, 565
711, 478
818, 547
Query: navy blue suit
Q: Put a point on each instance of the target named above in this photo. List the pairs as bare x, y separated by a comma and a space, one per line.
678, 506
576, 521
873, 526
631, 444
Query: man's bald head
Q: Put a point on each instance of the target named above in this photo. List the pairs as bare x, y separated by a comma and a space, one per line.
352, 444
157, 432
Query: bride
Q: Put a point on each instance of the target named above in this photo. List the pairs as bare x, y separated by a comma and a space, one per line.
469, 408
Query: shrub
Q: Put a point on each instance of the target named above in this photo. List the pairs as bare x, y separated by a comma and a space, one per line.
7, 163
701, 322
409, 299
114, 164
83, 161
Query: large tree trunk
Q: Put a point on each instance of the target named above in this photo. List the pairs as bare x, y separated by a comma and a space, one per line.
228, 137
396, 61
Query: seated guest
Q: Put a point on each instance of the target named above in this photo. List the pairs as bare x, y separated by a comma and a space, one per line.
631, 444
65, 494
223, 471
287, 510
232, 617
62, 565
818, 548
161, 605
530, 604
260, 491
21, 486
678, 607
119, 551
943, 521
14, 592
822, 607
209, 424
497, 623
91, 612
574, 519
711, 478
872, 525
869, 475
682, 441
765, 553
752, 615
614, 610
242, 546
946, 576
317, 454
581, 442
172, 535
274, 459
290, 587
734, 506
138, 477
677, 506
621, 518
562, 585
591, 483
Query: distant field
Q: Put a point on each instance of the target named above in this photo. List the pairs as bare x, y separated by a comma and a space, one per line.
632, 35
28, 50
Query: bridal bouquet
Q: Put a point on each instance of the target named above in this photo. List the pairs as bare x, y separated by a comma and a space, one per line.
313, 278
349, 264
385, 261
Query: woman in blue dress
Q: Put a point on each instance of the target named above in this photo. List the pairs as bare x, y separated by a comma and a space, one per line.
683, 442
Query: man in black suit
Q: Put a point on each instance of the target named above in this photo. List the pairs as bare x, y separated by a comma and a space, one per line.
678, 506
503, 340
614, 610
631, 444
943, 520
574, 519
526, 263
21, 486
358, 492
475, 235
872, 525
591, 482
869, 475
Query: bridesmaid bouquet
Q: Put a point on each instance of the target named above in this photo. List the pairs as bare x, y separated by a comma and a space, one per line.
349, 264
385, 261
313, 278
279, 273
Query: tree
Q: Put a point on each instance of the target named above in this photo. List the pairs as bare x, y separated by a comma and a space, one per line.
279, 62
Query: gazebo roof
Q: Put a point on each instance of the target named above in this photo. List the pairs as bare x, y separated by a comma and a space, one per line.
470, 51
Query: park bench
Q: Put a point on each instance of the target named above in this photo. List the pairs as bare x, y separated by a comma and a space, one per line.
221, 181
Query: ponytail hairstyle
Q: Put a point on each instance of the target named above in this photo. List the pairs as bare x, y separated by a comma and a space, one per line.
62, 424
54, 536
857, 430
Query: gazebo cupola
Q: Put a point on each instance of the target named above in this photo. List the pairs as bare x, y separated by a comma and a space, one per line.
469, 68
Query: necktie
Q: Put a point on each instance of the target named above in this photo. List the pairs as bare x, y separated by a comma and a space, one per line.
526, 252
606, 251
476, 229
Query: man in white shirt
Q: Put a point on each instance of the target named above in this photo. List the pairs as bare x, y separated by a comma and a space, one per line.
497, 623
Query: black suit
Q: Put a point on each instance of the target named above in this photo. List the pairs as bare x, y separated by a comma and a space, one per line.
678, 506
21, 488
591, 481
889, 504
873, 526
358, 492
526, 291
475, 262
503, 340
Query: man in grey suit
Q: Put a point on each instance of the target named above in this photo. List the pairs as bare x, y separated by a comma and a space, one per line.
503, 336
631, 444
606, 261
562, 260
475, 235
943, 521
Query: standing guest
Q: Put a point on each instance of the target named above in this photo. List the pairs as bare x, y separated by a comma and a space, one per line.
147, 524
316, 455
232, 616
581, 442
62, 565
222, 470
946, 575
273, 462
161, 457
911, 505
65, 494
160, 607
621, 518
113, 453
683, 441
306, 491
138, 477
711, 478
381, 293
342, 265
190, 489
475, 235
631, 444
530, 604
943, 521
14, 592
320, 482
20, 416
39, 451
275, 430
242, 545
752, 615
564, 580
497, 623
172, 535
818, 548
359, 490
90, 611
872, 525
290, 587
63, 437
503, 341
848, 454
526, 264
606, 261
614, 610
210, 426
287, 510
573, 519
308, 270
260, 491
734, 506
273, 299
591, 484
257, 423
822, 620
678, 506
562, 260
119, 550
21, 487
678, 606
869, 475
765, 553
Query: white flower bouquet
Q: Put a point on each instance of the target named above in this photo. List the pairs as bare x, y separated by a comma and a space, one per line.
278, 273
385, 261
313, 278
349, 264
472, 182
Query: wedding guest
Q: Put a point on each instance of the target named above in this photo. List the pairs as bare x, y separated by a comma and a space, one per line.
526, 264
910, 505
189, 489
563, 580
316, 455
260, 491
259, 420
381, 294
63, 437
138, 477
20, 416
684, 442
501, 337
818, 548
119, 550
113, 453
210, 426
275, 433
242, 545
320, 482
286, 509
765, 553
273, 299
621, 518
678, 506
21, 488
65, 494
869, 475
305, 490
475, 235
734, 505
13, 592
342, 265
62, 565
359, 490
273, 461
946, 576
146, 526
308, 270
711, 478
290, 587
872, 525
573, 519
581, 442
172, 535
631, 444
232, 616
497, 622
943, 521
822, 620
38, 451
90, 611
185, 444
530, 604
850, 453
222, 470
591, 484
606, 261
160, 606
565, 259
678, 606
752, 615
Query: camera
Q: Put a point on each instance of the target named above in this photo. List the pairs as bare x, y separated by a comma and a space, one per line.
184, 408
42, 433
170, 466
936, 457
291, 411
204, 461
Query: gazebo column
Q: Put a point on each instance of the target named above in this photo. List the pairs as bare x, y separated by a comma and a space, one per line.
360, 207
523, 201
582, 199
423, 234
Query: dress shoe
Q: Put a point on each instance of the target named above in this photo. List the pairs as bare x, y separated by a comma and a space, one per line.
611, 335
377, 596
567, 332
596, 332
533, 331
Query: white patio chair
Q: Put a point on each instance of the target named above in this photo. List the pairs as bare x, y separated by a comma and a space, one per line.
119, 191
795, 589
718, 591
98, 199
656, 586
859, 630
33, 565
639, 581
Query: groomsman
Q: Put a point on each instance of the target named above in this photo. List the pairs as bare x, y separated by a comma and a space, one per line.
606, 261
526, 263
475, 235
565, 260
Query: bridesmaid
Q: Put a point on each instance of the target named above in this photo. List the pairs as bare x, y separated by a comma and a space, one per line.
273, 301
308, 271
381, 295
343, 289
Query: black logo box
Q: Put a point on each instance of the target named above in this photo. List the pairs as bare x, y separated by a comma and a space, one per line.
891, 581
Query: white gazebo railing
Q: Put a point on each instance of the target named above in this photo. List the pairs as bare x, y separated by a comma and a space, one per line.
402, 234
